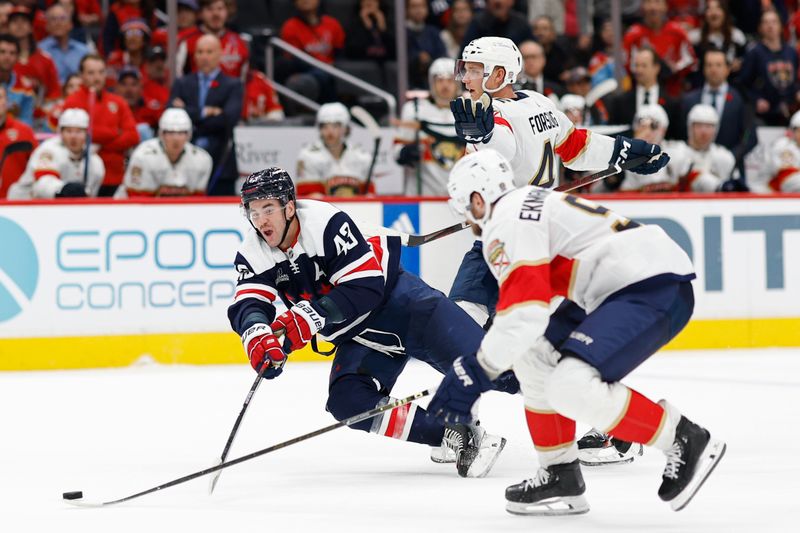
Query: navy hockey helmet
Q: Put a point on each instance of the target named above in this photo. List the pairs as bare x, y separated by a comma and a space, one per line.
272, 182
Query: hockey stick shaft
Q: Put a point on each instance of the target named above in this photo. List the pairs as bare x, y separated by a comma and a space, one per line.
418, 240
253, 388
347, 422
367, 120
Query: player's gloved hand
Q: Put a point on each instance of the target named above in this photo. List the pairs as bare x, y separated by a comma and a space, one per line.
458, 391
300, 323
734, 185
506, 382
474, 121
263, 347
627, 149
71, 189
409, 155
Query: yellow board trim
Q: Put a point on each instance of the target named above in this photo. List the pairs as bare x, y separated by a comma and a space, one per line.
220, 348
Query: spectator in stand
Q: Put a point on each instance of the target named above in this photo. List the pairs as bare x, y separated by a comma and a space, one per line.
19, 99
318, 35
146, 109
34, 65
121, 12
579, 83
769, 73
459, 20
5, 8
214, 103
89, 13
186, 21
169, 165
261, 102
72, 84
736, 130
66, 53
113, 127
235, 52
11, 131
38, 22
56, 168
84, 32
646, 91
155, 68
424, 43
601, 64
499, 19
718, 31
532, 76
557, 59
135, 39
668, 40
371, 37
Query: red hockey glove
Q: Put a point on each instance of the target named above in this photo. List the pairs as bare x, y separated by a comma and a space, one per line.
261, 344
301, 323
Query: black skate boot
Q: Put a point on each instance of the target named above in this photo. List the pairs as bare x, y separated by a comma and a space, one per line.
556, 490
476, 451
598, 449
692, 458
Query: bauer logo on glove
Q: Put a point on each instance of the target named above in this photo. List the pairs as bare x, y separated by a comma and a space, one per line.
300, 323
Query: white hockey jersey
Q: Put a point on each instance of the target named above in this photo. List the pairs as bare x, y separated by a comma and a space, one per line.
318, 172
52, 165
783, 164
541, 244
150, 172
530, 131
440, 148
668, 178
710, 168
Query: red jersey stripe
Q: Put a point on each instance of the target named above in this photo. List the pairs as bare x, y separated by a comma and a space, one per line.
266, 294
503, 122
562, 275
526, 282
573, 146
776, 182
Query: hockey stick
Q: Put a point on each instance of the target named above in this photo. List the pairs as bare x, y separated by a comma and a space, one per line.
13, 148
253, 388
366, 120
418, 240
76, 497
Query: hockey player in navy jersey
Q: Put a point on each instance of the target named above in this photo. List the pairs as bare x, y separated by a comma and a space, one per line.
353, 293
634, 284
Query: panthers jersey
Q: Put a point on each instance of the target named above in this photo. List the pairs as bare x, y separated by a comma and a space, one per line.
783, 163
318, 172
440, 148
542, 244
710, 168
52, 165
530, 132
330, 258
151, 173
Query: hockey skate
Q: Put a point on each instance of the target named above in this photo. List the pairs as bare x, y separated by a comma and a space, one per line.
598, 449
475, 450
556, 490
692, 458
443, 454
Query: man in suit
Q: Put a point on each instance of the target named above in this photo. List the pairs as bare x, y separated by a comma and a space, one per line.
646, 67
214, 103
736, 130
533, 66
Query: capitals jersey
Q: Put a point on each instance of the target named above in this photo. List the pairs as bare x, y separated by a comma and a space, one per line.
51, 166
150, 172
330, 258
530, 132
440, 148
783, 164
318, 172
541, 244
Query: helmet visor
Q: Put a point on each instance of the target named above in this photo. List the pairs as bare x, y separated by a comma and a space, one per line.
470, 70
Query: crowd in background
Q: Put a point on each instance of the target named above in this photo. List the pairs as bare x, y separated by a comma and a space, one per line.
740, 58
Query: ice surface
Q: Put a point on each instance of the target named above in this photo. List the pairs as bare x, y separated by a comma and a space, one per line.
111, 433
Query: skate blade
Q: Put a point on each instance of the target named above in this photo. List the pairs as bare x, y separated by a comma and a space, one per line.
605, 462
558, 506
711, 455
478, 469
609, 456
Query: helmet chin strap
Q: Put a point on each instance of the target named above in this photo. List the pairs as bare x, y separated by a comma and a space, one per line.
286, 228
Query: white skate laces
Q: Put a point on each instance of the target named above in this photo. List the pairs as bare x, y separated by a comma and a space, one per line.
542, 478
674, 461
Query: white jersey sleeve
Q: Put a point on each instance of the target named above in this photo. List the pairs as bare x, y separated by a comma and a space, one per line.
783, 161
151, 173
52, 165
530, 132
710, 168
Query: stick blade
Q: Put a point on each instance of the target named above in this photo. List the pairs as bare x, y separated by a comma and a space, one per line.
366, 120
212, 481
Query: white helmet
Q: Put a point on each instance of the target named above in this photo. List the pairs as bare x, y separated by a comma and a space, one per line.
335, 113
175, 119
653, 112
444, 67
486, 172
704, 114
794, 122
73, 118
573, 101
492, 52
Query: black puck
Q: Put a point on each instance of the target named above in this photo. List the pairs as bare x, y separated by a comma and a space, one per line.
74, 495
